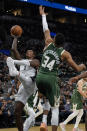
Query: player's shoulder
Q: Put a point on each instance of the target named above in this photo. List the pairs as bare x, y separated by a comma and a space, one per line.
48, 46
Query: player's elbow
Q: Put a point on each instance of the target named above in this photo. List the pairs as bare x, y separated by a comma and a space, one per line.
78, 69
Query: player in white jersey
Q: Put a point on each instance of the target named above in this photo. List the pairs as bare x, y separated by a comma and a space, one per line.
25, 75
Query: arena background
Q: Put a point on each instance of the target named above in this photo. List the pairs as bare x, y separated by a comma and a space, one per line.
71, 21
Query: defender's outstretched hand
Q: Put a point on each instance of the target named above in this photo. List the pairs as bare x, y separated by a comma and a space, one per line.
41, 10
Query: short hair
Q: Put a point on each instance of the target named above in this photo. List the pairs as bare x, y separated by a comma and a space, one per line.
59, 39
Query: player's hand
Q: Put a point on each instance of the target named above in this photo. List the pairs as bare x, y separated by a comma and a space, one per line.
15, 36
41, 10
72, 80
82, 67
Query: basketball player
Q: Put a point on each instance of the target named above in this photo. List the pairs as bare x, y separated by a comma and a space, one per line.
25, 75
74, 79
46, 80
77, 104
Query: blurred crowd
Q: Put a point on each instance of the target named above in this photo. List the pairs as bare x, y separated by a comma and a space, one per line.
8, 89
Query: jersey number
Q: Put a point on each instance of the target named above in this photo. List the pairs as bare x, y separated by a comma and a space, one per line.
48, 64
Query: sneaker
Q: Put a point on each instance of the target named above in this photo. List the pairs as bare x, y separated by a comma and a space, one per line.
12, 70
43, 127
76, 129
62, 126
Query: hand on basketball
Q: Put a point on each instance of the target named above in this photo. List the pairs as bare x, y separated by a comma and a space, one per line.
16, 31
41, 10
15, 36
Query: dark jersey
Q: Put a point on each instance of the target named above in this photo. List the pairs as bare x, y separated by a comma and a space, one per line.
51, 60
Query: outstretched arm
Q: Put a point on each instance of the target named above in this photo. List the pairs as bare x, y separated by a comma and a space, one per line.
76, 78
67, 56
82, 75
34, 63
15, 50
46, 30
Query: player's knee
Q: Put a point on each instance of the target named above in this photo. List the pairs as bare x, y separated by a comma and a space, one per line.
55, 117
32, 114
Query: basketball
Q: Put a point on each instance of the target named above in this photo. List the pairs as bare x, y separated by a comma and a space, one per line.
16, 30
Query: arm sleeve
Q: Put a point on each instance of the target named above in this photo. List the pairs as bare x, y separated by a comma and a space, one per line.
44, 23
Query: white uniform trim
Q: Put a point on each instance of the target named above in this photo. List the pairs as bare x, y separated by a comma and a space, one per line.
62, 52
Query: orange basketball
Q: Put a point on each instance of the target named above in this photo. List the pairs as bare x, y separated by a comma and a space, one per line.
16, 30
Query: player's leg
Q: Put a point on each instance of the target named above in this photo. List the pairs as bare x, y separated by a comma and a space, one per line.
55, 118
46, 109
78, 118
27, 82
18, 112
30, 121
70, 117
86, 121
20, 99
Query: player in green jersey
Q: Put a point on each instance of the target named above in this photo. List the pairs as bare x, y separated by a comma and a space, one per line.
77, 104
74, 79
46, 80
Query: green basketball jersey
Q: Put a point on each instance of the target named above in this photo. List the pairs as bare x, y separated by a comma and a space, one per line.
51, 60
76, 100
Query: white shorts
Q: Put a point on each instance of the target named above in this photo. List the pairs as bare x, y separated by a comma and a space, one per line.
25, 91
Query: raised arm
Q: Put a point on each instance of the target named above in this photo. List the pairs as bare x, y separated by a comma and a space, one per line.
46, 30
15, 50
67, 56
76, 78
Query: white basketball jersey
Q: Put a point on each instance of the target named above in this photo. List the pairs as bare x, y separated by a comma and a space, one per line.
28, 70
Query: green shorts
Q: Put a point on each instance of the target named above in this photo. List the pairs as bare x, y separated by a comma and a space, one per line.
76, 104
49, 87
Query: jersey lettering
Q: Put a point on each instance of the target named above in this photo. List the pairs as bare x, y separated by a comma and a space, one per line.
48, 64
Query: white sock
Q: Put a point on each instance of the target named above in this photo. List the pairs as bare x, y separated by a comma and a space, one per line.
44, 119
70, 117
22, 62
79, 116
55, 116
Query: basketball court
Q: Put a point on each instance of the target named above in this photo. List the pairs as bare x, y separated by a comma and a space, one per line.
36, 128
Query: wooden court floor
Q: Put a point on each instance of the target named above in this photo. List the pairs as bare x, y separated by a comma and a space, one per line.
36, 128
